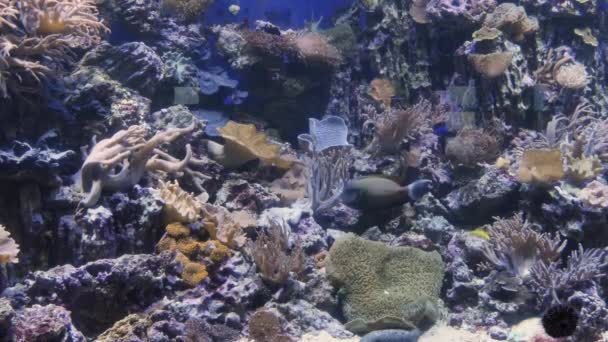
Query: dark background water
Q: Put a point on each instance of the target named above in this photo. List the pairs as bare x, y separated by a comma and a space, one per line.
284, 13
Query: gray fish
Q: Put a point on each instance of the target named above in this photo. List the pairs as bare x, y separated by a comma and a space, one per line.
378, 192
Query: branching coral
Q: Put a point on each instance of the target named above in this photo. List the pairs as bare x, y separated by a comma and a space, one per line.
272, 253
37, 38
8, 247
133, 154
515, 247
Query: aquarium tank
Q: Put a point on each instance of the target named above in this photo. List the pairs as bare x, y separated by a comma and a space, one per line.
303, 170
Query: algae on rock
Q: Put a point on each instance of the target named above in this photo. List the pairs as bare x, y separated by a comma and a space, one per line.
385, 287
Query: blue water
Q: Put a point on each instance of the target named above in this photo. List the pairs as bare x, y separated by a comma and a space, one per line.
286, 14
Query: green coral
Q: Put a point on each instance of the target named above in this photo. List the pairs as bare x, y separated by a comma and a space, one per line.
385, 287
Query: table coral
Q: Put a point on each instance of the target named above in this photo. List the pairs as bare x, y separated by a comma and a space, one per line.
384, 287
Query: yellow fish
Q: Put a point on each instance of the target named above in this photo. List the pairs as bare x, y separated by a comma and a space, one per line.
480, 232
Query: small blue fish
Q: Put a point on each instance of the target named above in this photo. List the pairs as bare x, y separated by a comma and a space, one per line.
229, 100
441, 130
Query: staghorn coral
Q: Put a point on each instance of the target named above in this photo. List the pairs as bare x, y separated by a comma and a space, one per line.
186, 10
472, 146
37, 38
595, 194
491, 65
8, 247
384, 287
180, 206
512, 20
541, 167
134, 154
243, 144
515, 247
272, 253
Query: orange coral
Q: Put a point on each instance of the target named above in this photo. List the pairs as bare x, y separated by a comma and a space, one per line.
216, 251
177, 230
194, 273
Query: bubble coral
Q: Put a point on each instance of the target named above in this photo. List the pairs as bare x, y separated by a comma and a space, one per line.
8, 247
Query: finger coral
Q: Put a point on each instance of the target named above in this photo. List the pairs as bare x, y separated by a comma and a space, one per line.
384, 287
8, 247
129, 150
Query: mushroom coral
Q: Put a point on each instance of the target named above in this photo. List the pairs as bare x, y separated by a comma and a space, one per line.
243, 144
129, 150
37, 38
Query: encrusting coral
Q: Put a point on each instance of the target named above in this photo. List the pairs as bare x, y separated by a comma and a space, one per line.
37, 37
384, 287
8, 247
134, 154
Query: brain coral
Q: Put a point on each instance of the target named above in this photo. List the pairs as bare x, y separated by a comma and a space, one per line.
385, 287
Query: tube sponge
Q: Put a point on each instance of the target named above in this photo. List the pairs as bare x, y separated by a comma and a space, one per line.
385, 287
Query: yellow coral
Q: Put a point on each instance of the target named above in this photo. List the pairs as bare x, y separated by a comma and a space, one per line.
587, 36
491, 65
189, 247
167, 243
486, 33
244, 143
541, 167
584, 169
8, 247
382, 90
216, 251
177, 230
180, 206
194, 273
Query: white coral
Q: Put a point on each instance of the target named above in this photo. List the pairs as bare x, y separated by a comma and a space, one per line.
8, 247
595, 194
180, 206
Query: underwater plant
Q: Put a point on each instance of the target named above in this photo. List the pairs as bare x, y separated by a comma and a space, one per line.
515, 247
273, 255
129, 150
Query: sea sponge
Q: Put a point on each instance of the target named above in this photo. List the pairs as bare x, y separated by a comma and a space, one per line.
180, 206
541, 167
384, 287
595, 194
571, 75
587, 36
382, 90
472, 146
243, 144
8, 247
194, 273
491, 65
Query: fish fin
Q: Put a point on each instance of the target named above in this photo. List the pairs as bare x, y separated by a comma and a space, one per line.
391, 178
419, 188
